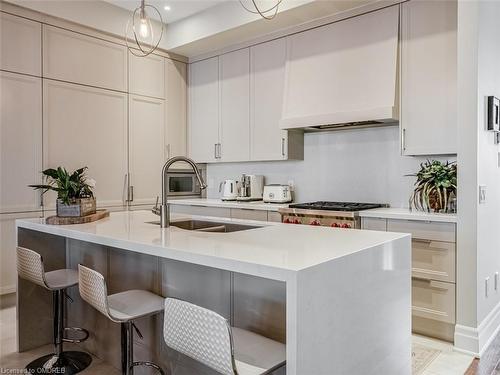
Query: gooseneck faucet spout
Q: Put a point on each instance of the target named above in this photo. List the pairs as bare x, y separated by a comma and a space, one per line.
164, 209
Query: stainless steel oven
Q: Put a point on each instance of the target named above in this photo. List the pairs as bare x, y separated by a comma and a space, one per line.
183, 182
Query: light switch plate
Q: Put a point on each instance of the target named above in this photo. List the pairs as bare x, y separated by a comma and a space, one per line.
482, 194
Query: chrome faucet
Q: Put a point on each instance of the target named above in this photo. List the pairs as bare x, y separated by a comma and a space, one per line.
164, 209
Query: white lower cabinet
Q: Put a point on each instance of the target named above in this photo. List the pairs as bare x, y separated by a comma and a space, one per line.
20, 142
248, 214
147, 148
433, 273
85, 126
8, 272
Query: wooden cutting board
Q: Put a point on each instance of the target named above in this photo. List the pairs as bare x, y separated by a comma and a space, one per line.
56, 220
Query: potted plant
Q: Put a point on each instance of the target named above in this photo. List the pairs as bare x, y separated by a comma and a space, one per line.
436, 186
74, 191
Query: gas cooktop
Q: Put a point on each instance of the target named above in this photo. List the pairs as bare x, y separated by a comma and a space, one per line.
336, 206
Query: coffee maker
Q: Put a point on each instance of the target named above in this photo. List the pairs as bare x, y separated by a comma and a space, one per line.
251, 187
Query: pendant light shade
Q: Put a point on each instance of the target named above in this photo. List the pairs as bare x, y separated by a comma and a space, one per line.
267, 13
140, 34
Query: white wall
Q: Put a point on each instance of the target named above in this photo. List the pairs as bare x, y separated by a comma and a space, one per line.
488, 172
361, 165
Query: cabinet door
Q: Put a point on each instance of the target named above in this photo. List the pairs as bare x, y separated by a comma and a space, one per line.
429, 77
146, 147
20, 141
146, 75
8, 273
20, 45
85, 126
235, 106
78, 58
204, 110
267, 79
176, 107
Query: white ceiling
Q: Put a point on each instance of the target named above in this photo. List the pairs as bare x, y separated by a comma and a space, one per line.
179, 9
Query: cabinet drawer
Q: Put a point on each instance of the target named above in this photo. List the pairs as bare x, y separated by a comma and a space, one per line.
274, 216
374, 223
433, 260
424, 230
248, 214
201, 210
433, 300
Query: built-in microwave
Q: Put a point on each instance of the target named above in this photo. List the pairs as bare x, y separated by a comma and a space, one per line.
183, 182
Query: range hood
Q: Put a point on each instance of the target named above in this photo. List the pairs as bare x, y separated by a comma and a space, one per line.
344, 75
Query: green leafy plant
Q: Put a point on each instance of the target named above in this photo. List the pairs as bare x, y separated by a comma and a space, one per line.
69, 186
435, 186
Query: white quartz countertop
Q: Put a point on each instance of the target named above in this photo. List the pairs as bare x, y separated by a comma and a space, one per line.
406, 214
207, 202
273, 250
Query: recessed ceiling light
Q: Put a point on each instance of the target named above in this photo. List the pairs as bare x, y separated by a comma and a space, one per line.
167, 7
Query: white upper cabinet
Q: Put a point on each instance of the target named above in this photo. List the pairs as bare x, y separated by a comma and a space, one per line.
203, 128
343, 72
20, 141
73, 57
429, 77
86, 126
147, 151
146, 75
20, 45
235, 107
176, 106
267, 78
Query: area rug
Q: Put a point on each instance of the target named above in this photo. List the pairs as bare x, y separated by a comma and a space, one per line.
421, 357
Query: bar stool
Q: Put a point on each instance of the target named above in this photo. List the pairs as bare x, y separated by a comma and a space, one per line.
123, 308
207, 337
30, 267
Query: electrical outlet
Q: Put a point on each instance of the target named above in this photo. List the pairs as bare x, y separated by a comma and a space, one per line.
496, 281
291, 183
482, 194
486, 286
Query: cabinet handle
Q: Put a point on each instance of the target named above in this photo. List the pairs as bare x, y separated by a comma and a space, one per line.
215, 151
168, 151
420, 240
403, 140
131, 193
282, 146
219, 153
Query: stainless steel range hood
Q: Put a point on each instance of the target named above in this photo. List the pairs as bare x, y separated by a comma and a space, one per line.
344, 75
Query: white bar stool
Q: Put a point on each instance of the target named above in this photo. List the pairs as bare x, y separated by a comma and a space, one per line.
207, 337
30, 267
121, 308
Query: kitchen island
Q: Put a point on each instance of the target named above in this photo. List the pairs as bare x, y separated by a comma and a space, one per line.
340, 299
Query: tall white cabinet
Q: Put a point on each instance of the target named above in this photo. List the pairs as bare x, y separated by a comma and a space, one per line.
429, 77
176, 108
147, 148
235, 106
87, 126
20, 141
267, 79
204, 110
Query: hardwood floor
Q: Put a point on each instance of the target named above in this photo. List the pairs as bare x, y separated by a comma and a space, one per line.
489, 364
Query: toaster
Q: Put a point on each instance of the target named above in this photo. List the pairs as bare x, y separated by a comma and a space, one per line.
276, 193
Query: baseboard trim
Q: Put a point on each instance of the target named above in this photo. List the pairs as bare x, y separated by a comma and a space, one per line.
475, 341
7, 289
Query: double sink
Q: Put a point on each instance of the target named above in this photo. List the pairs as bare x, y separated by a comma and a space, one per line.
209, 226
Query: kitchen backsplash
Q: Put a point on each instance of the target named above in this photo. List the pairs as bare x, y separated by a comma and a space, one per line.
360, 165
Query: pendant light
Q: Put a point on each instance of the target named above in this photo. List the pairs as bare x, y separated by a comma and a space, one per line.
139, 34
267, 14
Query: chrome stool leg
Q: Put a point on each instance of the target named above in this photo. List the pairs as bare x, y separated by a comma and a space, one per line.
60, 362
127, 346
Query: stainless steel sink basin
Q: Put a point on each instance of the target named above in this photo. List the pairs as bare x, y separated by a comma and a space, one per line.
208, 226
